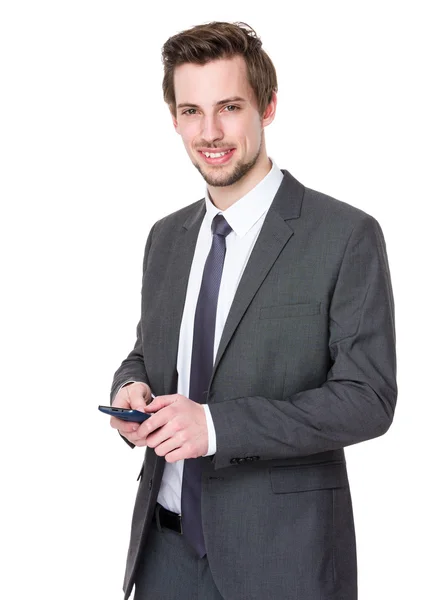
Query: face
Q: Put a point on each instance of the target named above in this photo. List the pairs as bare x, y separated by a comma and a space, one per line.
218, 119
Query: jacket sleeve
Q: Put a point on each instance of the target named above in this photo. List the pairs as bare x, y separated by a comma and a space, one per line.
132, 367
357, 400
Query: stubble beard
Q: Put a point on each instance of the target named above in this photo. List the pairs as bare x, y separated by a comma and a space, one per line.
239, 171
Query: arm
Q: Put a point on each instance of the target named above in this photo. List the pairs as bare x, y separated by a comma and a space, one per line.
357, 400
132, 368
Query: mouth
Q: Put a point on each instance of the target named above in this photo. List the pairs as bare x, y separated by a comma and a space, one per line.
217, 157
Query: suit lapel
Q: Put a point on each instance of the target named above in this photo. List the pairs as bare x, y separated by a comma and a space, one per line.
273, 237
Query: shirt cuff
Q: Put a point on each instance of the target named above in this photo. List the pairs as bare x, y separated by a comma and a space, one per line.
211, 449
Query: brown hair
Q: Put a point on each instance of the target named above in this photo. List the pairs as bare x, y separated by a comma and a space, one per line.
204, 43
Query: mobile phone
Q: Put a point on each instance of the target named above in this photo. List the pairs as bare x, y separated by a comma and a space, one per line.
126, 414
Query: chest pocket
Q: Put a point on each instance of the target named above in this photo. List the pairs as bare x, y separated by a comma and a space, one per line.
290, 310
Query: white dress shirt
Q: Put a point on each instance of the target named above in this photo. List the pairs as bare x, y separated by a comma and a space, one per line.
245, 217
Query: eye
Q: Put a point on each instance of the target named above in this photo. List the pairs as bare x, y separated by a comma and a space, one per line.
231, 108
189, 111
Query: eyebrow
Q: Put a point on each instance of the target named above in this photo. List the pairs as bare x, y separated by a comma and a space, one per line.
219, 103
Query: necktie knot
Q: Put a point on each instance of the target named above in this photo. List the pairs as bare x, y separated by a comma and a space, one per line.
220, 226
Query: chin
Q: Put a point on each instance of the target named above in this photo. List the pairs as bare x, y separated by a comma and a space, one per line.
219, 177
223, 177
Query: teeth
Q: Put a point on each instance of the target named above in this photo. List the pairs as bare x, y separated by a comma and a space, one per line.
215, 154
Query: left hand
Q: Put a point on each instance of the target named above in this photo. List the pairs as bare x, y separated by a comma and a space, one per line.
176, 430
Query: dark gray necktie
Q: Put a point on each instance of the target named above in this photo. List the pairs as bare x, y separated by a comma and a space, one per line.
201, 372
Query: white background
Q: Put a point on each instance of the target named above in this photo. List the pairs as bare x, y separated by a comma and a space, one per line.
89, 160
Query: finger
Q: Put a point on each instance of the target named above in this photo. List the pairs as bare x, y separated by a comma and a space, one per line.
156, 420
132, 440
176, 454
160, 436
188, 449
133, 395
138, 394
164, 448
121, 399
138, 435
140, 443
160, 402
123, 426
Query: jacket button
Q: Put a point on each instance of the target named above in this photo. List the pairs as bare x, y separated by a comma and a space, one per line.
150, 484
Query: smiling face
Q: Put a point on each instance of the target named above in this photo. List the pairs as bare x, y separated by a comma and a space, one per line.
219, 122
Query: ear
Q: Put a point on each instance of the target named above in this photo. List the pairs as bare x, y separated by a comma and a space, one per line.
269, 114
175, 123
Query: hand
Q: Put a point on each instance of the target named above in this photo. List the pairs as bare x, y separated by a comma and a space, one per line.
176, 430
133, 395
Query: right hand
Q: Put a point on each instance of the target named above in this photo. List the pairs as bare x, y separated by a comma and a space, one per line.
132, 395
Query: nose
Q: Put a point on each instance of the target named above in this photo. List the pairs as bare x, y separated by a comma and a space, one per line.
211, 128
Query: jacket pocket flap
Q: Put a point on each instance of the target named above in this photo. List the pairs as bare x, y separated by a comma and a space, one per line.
286, 480
289, 310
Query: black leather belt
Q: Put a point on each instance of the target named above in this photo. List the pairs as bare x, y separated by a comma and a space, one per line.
166, 518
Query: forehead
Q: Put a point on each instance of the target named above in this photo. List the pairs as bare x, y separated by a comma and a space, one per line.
206, 84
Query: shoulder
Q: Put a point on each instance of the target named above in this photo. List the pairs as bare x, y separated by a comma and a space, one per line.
179, 217
310, 209
335, 220
328, 221
327, 209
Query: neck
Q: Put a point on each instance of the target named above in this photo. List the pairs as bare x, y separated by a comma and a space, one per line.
224, 197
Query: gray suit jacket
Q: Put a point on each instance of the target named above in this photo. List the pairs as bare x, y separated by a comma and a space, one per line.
306, 366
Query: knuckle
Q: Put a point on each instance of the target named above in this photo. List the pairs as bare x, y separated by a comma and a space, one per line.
177, 425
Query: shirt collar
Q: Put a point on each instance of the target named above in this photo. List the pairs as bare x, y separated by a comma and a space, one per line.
246, 211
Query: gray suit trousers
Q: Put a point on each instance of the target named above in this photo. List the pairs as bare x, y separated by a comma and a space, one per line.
170, 570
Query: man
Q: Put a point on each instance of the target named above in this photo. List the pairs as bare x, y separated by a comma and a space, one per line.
267, 338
